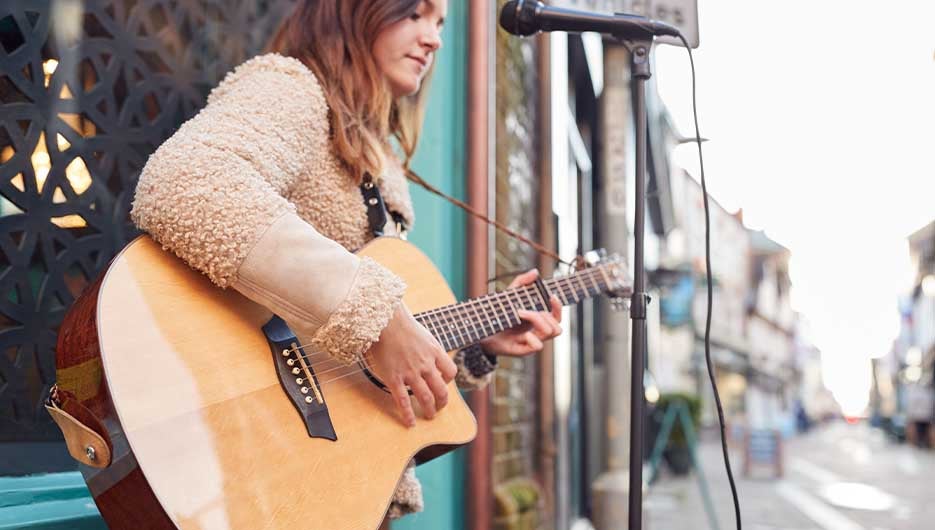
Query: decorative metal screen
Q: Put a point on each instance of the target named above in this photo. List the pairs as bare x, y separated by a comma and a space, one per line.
88, 90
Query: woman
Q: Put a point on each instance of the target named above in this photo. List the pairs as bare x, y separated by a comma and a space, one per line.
260, 191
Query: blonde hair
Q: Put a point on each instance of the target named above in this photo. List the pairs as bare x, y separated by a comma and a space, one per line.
333, 38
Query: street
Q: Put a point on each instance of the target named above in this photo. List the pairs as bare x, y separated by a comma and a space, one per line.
837, 477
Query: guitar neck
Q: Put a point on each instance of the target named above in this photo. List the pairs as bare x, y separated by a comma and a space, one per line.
462, 324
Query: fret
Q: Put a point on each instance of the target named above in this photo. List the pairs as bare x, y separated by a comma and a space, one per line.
480, 307
445, 336
516, 303
600, 276
569, 290
574, 294
446, 330
531, 299
517, 297
603, 272
557, 288
590, 276
532, 293
596, 278
464, 322
494, 313
433, 329
452, 325
546, 306
495, 309
426, 324
589, 286
585, 287
489, 314
503, 311
506, 296
426, 320
477, 320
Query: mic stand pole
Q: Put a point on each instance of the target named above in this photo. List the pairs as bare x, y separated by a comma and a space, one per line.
640, 72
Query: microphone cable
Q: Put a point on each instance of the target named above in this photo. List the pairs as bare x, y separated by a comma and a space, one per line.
707, 330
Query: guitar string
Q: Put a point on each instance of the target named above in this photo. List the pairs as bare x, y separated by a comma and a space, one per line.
332, 382
452, 336
353, 369
452, 317
447, 338
562, 283
317, 364
456, 335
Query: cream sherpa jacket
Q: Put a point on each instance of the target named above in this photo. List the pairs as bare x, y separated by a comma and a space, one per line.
252, 177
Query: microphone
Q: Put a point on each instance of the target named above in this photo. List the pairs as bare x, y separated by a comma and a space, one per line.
526, 17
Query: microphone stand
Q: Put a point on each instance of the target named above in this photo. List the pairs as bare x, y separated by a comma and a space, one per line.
640, 72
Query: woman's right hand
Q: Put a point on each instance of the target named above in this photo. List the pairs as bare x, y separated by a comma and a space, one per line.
406, 357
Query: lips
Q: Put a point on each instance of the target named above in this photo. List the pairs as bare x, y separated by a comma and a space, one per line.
423, 62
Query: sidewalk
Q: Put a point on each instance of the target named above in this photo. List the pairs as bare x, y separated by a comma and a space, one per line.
838, 477
676, 503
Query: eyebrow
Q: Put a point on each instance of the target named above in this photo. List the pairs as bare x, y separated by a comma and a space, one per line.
434, 8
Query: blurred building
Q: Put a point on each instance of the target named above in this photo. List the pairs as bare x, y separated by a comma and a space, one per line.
814, 401
770, 331
917, 361
678, 363
766, 371
903, 390
921, 304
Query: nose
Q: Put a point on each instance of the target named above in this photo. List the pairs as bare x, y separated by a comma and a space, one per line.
432, 39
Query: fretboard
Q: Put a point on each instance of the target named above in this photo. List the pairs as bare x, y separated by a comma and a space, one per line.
462, 324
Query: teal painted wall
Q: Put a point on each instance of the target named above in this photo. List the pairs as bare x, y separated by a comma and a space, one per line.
440, 232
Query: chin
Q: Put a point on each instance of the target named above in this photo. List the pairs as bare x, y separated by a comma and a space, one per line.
406, 87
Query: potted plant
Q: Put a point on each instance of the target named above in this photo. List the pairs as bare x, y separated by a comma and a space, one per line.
516, 503
677, 453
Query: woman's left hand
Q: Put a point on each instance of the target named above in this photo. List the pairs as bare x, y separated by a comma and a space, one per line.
537, 326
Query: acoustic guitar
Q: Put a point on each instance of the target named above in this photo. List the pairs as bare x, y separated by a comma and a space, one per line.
192, 407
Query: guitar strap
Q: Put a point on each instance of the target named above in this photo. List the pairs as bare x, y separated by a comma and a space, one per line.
86, 438
376, 208
538, 247
376, 218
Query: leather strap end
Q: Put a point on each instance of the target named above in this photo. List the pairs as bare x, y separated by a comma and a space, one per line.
84, 443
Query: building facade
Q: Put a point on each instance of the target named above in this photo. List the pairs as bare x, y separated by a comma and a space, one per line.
771, 334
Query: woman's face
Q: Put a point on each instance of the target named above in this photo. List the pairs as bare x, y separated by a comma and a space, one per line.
405, 49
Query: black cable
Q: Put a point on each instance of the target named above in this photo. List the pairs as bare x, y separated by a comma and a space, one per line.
707, 329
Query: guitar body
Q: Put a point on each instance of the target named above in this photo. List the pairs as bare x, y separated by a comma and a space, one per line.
204, 435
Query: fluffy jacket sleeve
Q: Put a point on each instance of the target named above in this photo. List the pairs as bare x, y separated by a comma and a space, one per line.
475, 367
214, 194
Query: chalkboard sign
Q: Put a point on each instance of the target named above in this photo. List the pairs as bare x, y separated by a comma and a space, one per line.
763, 448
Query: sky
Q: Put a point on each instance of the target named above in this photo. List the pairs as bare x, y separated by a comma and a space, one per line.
820, 116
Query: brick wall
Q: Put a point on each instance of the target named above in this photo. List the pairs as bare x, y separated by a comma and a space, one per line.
514, 394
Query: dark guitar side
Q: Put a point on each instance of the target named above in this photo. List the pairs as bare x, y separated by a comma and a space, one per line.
120, 491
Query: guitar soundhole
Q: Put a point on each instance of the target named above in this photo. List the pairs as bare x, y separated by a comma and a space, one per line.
368, 371
365, 367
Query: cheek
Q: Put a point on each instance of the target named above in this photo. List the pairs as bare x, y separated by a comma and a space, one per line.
385, 52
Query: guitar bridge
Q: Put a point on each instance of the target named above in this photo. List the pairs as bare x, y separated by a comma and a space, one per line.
298, 379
